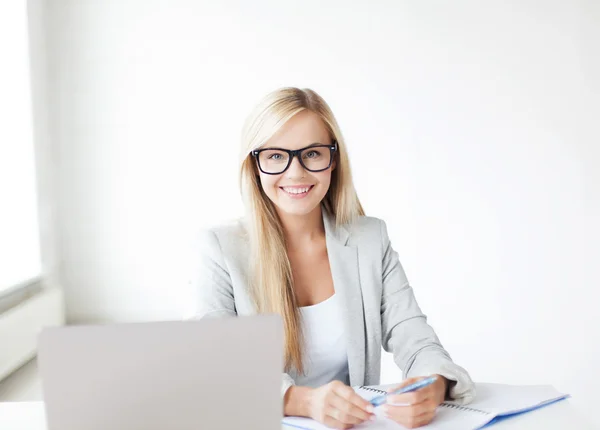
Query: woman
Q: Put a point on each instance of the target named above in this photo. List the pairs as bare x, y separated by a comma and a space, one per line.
306, 251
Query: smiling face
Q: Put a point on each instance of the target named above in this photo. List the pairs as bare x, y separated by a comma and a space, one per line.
297, 191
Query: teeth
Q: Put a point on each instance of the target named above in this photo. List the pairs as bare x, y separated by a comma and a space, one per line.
296, 190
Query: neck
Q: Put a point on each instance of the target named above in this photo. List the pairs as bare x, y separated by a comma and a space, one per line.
302, 229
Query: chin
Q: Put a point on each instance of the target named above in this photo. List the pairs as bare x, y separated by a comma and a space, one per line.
297, 210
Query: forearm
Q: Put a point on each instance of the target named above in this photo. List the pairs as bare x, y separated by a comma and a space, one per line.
459, 386
296, 401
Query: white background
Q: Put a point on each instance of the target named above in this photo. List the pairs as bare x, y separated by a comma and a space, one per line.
19, 230
470, 127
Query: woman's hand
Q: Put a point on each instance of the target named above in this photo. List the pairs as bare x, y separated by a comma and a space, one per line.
338, 406
419, 406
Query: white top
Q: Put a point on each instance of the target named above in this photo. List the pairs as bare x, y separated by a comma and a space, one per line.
325, 349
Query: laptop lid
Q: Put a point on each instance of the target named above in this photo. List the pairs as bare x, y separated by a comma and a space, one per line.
215, 373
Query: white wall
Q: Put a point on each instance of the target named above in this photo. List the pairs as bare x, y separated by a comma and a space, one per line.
470, 128
19, 240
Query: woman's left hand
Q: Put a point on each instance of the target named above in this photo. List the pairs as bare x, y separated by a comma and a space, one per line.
418, 407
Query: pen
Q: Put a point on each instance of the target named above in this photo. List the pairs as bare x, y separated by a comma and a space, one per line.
379, 400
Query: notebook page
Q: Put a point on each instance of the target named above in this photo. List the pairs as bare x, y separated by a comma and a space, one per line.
503, 399
446, 418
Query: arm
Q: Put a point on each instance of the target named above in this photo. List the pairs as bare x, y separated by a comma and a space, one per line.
405, 332
216, 298
212, 284
210, 279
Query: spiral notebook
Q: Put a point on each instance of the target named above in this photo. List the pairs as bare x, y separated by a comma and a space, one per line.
493, 402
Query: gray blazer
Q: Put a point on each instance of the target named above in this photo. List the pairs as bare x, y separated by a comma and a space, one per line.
379, 309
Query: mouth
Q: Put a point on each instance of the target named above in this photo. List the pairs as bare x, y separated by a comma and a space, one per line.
297, 192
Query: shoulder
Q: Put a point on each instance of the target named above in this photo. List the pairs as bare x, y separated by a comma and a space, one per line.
233, 231
220, 238
366, 223
368, 230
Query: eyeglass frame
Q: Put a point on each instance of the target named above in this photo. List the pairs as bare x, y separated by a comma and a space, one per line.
296, 152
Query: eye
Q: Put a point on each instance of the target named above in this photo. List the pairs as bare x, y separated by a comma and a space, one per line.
312, 154
275, 157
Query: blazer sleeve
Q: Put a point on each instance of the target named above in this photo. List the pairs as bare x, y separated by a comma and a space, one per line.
212, 284
406, 333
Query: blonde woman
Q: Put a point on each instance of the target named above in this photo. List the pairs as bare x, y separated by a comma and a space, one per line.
307, 252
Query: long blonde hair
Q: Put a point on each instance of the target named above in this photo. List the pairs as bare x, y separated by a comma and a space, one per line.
272, 283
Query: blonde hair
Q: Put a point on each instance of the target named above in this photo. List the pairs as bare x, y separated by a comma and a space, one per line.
272, 284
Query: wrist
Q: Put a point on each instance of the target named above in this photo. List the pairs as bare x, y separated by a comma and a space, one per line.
448, 384
296, 401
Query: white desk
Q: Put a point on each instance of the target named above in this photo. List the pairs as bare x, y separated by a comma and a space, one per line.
559, 416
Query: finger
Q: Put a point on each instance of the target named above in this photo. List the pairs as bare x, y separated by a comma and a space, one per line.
410, 411
330, 421
412, 398
412, 421
404, 383
347, 412
347, 393
342, 417
418, 421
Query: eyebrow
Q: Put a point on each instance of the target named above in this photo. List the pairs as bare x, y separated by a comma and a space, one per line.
304, 147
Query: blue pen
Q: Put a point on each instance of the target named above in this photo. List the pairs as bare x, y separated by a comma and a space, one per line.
380, 400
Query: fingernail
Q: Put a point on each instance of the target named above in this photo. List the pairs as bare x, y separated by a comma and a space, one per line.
370, 408
373, 418
385, 409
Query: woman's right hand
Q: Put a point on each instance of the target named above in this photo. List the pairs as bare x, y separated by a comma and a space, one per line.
338, 406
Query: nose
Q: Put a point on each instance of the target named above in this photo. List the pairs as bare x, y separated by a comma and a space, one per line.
295, 171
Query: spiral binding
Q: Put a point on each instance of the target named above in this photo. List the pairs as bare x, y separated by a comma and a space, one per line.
363, 387
463, 408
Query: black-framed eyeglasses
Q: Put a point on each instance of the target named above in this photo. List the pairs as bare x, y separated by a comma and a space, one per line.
314, 158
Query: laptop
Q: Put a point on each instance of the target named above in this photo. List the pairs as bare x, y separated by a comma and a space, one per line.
214, 373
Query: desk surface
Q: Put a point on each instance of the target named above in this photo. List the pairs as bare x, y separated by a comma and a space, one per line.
561, 415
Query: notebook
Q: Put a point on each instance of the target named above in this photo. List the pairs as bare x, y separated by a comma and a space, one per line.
493, 402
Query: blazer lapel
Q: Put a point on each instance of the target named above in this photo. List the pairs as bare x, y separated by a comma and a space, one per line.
343, 261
